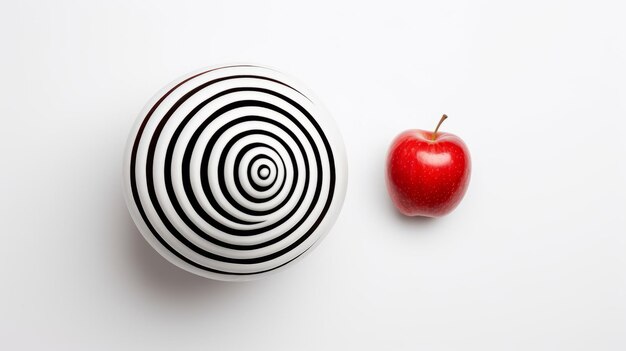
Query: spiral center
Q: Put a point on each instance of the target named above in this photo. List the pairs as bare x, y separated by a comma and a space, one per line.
264, 172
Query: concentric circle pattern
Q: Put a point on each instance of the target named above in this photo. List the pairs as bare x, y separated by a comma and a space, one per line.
234, 172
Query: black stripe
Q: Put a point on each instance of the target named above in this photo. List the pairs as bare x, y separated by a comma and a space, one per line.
259, 172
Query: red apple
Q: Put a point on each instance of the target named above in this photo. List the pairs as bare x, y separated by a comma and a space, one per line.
427, 172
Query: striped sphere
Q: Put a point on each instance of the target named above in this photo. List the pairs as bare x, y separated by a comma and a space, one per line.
234, 172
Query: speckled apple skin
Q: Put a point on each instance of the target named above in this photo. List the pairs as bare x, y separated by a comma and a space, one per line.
425, 177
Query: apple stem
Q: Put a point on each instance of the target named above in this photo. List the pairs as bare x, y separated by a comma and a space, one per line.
443, 118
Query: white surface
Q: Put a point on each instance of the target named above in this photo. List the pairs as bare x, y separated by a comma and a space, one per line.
532, 259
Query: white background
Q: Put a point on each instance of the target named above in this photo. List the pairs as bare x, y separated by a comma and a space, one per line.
534, 258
